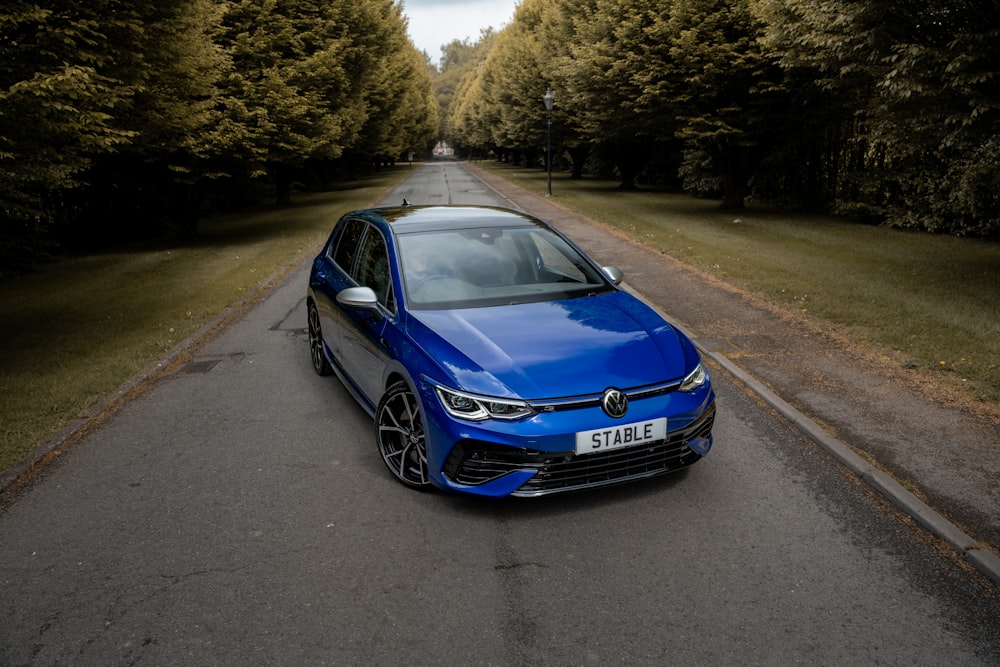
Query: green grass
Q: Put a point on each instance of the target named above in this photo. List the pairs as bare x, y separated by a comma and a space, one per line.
76, 330
933, 300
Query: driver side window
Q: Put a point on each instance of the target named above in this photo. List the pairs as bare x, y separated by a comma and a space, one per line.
372, 268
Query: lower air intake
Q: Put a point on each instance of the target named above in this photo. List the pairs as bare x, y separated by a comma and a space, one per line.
474, 463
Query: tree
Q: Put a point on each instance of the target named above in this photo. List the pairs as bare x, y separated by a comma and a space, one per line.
939, 117
730, 100
466, 123
120, 116
603, 75
921, 81
515, 89
180, 130
57, 106
459, 60
304, 71
403, 116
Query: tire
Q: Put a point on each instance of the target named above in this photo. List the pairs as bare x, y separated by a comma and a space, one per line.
316, 353
399, 432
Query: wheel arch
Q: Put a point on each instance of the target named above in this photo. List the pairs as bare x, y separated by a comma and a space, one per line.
395, 372
394, 376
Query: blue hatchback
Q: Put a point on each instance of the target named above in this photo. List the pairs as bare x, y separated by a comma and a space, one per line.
497, 359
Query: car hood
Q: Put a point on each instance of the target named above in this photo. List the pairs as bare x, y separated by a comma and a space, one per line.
553, 349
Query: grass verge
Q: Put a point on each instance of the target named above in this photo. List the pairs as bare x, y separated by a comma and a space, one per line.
932, 300
76, 330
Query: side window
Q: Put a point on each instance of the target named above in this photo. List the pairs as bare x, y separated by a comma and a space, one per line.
347, 246
373, 268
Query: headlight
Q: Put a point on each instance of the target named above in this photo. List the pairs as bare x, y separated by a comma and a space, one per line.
694, 379
477, 408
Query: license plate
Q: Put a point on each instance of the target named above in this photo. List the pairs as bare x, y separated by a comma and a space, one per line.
625, 435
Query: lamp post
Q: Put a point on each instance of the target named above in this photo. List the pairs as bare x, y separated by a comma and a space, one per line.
549, 98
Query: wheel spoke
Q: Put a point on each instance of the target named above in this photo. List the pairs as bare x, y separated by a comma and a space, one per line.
404, 459
393, 429
415, 446
422, 463
408, 407
395, 426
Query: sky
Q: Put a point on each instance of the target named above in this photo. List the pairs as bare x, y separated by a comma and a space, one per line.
437, 22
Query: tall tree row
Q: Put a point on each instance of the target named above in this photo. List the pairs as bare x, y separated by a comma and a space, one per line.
918, 89
129, 112
889, 110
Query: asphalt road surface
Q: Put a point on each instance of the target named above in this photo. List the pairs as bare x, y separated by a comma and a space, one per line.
238, 513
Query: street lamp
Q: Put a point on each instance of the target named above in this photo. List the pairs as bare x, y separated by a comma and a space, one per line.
549, 98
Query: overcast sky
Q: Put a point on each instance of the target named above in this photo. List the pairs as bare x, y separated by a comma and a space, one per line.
437, 22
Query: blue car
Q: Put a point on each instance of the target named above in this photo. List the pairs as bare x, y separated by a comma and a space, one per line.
497, 359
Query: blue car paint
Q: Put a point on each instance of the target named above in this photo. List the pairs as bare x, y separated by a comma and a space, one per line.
537, 350
531, 351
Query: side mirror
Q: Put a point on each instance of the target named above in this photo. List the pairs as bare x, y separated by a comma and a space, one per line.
614, 274
362, 298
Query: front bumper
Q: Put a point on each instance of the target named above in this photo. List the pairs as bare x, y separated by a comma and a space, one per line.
536, 456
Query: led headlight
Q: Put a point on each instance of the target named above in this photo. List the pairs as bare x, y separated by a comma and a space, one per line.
477, 408
694, 379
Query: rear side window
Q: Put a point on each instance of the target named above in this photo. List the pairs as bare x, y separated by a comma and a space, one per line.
347, 245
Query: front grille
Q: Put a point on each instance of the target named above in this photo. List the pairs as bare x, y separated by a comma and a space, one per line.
474, 463
594, 400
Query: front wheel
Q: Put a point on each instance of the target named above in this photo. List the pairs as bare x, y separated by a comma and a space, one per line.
399, 431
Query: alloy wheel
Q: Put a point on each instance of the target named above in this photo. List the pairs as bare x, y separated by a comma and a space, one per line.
400, 435
319, 361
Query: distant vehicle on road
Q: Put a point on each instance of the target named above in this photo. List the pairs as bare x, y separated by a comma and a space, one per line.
497, 359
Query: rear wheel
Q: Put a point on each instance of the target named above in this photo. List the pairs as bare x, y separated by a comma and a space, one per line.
319, 361
399, 431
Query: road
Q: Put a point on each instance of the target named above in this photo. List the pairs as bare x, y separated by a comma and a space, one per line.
237, 513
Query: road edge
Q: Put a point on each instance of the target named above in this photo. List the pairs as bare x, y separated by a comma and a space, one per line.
982, 559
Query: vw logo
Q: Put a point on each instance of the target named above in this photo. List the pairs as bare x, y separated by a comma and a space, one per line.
614, 403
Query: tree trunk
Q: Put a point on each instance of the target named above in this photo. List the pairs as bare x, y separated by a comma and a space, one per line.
738, 166
281, 175
187, 209
630, 159
578, 155
733, 199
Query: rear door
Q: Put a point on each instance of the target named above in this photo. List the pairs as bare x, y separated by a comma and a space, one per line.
331, 275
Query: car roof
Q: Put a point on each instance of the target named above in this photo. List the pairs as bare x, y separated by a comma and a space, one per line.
409, 219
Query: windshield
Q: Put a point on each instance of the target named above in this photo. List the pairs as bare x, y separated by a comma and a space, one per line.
491, 266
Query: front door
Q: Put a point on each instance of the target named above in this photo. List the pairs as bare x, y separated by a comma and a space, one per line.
364, 354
